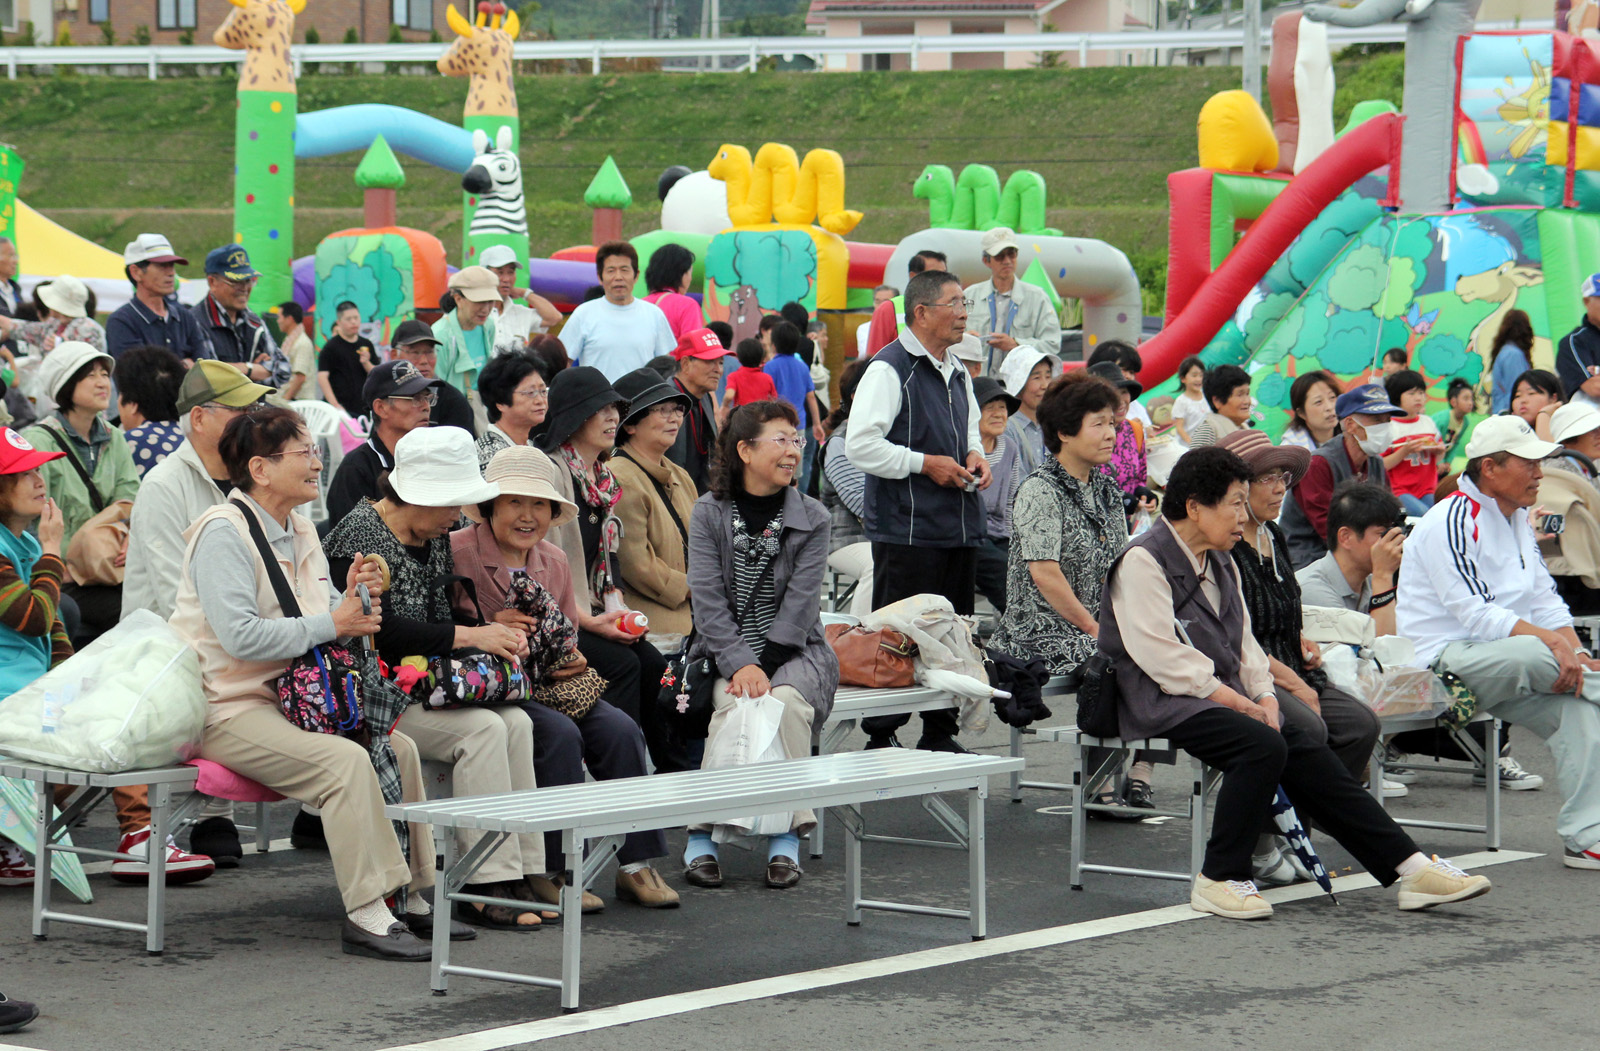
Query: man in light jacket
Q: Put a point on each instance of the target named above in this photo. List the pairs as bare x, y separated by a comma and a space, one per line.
1005, 313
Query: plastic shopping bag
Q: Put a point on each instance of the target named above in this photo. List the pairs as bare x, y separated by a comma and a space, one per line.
130, 700
1387, 690
749, 735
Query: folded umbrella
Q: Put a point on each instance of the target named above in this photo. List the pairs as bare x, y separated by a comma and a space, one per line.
17, 809
1288, 823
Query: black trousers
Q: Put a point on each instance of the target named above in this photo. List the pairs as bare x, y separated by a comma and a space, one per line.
991, 576
611, 744
900, 571
633, 673
99, 610
1348, 727
1255, 759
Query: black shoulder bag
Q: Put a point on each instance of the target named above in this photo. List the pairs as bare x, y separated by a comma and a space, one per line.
1098, 695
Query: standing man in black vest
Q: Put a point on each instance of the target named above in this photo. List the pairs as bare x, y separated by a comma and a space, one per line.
914, 434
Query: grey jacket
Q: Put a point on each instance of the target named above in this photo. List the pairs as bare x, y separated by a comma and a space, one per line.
796, 577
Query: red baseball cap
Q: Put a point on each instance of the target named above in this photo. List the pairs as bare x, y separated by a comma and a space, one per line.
17, 455
699, 343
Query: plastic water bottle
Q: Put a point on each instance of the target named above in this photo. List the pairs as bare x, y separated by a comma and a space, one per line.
633, 622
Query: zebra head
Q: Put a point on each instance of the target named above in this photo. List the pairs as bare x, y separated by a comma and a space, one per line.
495, 173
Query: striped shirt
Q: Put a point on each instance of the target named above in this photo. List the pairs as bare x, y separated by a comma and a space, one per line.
752, 553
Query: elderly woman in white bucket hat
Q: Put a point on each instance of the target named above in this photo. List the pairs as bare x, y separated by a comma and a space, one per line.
490, 749
510, 539
66, 313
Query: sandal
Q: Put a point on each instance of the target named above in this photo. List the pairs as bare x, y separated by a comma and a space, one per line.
519, 889
495, 917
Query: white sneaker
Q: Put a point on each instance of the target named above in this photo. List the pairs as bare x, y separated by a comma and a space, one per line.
1439, 884
1582, 859
1231, 899
1397, 766
1394, 789
1273, 869
182, 867
15, 868
1512, 777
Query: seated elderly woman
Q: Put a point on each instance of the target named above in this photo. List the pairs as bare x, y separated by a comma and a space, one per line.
1188, 669
1067, 527
228, 611
757, 550
1272, 597
509, 543
515, 389
657, 498
490, 748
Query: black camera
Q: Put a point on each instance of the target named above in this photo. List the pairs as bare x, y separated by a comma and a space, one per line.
1404, 524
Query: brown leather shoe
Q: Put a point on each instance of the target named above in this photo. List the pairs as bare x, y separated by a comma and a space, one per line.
783, 872
647, 888
704, 871
548, 891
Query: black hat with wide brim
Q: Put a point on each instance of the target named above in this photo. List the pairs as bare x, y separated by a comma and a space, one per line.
576, 394
644, 389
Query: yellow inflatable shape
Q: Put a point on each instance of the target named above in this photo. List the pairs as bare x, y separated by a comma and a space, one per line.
1235, 135
777, 186
46, 249
1588, 146
818, 194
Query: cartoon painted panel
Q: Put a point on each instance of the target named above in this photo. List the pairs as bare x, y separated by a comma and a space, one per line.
1505, 119
373, 271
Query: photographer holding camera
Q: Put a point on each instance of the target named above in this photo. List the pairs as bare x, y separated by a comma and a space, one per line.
1366, 535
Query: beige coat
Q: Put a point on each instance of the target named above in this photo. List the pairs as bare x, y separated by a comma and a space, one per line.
1576, 552
232, 685
655, 574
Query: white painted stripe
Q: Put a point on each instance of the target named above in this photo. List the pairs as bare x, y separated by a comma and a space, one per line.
699, 1000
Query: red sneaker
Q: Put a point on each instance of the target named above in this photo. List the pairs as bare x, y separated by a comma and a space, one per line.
15, 868
182, 867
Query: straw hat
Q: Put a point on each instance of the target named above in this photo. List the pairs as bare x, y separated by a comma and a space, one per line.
521, 470
1262, 457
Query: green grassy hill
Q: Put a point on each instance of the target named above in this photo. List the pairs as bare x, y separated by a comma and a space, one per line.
111, 157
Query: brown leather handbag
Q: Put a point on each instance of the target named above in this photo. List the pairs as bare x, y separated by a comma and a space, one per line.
876, 658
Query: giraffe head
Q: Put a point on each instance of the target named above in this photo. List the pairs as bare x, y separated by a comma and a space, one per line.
259, 24
481, 48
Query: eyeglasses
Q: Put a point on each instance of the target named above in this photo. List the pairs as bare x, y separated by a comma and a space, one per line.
959, 301
248, 282
796, 443
310, 452
429, 399
667, 408
533, 393
1276, 480
247, 410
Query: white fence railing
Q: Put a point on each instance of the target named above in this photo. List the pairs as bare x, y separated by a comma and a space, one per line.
152, 58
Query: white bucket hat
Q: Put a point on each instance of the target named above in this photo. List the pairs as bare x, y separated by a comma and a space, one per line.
65, 295
63, 363
522, 470
438, 467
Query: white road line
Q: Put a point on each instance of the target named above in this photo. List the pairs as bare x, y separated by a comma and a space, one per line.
699, 1000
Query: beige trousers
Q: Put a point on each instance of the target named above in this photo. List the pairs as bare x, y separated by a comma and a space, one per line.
794, 730
334, 774
491, 752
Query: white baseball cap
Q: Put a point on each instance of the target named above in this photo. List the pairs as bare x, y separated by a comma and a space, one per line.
151, 248
438, 467
1505, 434
998, 240
1572, 419
497, 256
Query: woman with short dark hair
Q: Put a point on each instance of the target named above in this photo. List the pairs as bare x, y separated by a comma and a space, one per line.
1227, 393
148, 380
757, 550
668, 276
1535, 396
1188, 669
1312, 419
515, 389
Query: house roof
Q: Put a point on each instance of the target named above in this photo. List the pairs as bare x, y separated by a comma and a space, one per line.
821, 9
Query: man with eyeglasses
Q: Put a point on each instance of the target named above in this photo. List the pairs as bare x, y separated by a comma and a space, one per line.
1004, 312
402, 400
914, 433
172, 495
415, 342
238, 335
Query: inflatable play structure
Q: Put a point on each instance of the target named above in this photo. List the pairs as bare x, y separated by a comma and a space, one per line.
1329, 256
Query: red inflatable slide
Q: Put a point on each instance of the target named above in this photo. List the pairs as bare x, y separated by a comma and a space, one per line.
1364, 148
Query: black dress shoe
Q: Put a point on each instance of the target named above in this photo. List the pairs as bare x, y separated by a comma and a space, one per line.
704, 871
422, 927
399, 944
218, 839
882, 741
782, 872
307, 832
942, 743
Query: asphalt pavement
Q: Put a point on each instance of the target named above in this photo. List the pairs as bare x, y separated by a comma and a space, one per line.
253, 958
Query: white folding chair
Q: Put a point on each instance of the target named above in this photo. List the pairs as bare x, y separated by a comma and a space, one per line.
322, 424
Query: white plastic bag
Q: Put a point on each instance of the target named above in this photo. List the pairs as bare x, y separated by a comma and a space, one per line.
1386, 689
131, 700
749, 735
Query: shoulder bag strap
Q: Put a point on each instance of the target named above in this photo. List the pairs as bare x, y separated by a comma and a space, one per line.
280, 583
61, 439
470, 586
661, 491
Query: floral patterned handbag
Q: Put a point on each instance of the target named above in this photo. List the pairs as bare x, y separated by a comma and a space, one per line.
553, 643
469, 678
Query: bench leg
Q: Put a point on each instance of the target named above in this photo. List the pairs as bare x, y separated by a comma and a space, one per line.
1491, 774
156, 855
977, 876
42, 881
263, 829
854, 827
1016, 775
443, 913
1075, 862
1197, 819
571, 917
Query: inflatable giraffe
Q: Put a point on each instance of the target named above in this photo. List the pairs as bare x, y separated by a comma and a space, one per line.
263, 141
482, 52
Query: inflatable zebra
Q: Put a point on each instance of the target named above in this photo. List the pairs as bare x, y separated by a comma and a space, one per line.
496, 177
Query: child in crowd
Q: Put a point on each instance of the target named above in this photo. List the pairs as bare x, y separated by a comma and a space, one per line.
748, 382
345, 360
1412, 459
1455, 423
1190, 407
1395, 359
